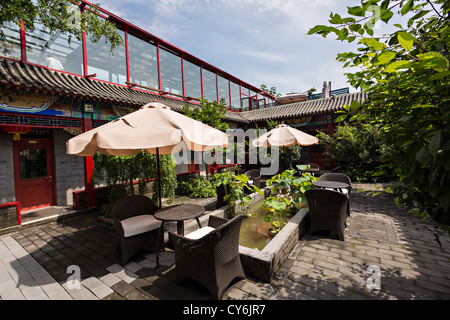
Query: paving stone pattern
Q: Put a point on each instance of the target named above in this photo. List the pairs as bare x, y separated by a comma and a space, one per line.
379, 238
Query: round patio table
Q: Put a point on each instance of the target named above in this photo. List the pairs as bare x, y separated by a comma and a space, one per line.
335, 185
178, 213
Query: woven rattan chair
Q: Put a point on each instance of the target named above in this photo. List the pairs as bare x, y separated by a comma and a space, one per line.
327, 210
340, 177
210, 255
254, 176
136, 226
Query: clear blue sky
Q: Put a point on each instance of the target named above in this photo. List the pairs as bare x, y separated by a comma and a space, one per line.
258, 41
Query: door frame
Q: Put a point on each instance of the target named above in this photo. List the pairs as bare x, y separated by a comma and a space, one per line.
23, 142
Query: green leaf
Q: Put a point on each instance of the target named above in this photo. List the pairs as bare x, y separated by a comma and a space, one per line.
356, 11
318, 29
385, 57
355, 105
407, 7
423, 106
434, 60
335, 18
354, 27
406, 40
373, 43
341, 118
423, 156
386, 15
440, 75
302, 167
258, 190
430, 55
435, 144
242, 178
247, 199
394, 66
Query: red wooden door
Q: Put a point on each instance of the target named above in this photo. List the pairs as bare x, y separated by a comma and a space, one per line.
34, 173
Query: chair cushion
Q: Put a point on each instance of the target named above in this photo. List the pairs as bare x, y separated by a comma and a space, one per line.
344, 190
139, 224
200, 233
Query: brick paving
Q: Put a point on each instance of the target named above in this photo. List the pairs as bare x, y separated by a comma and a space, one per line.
379, 237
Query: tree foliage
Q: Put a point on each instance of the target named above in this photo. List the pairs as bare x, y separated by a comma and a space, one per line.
406, 75
59, 16
119, 174
358, 149
272, 90
209, 113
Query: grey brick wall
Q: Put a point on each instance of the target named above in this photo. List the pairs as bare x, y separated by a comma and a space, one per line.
7, 192
69, 169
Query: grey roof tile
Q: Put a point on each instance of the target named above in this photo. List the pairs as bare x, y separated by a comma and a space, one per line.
35, 77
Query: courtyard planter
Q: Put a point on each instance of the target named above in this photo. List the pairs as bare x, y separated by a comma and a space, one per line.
264, 264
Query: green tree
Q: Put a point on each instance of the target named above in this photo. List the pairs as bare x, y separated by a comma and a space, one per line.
406, 75
209, 113
272, 90
59, 16
358, 148
119, 174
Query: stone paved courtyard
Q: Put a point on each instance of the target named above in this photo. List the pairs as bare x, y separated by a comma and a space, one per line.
380, 239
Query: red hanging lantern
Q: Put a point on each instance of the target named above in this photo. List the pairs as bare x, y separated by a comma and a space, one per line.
16, 130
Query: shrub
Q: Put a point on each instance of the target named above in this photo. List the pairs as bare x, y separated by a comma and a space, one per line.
199, 187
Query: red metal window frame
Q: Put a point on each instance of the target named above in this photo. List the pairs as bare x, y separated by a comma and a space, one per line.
123, 24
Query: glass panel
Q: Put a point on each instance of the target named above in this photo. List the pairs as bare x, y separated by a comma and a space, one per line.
224, 90
170, 72
235, 94
109, 66
262, 102
192, 80
33, 163
245, 99
253, 100
209, 85
143, 59
10, 47
245, 103
54, 50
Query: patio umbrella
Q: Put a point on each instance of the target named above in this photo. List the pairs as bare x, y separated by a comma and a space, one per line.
285, 136
155, 128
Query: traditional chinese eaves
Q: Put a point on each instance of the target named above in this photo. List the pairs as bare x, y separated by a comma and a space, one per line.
304, 108
32, 77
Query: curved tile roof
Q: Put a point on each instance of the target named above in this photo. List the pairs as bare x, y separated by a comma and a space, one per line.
34, 77
304, 108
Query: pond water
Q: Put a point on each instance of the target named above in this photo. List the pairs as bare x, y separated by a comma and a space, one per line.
255, 232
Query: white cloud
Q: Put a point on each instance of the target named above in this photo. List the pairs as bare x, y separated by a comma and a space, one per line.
259, 41
268, 56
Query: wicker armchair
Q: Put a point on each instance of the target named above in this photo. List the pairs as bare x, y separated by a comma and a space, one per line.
136, 226
210, 255
327, 210
334, 176
254, 176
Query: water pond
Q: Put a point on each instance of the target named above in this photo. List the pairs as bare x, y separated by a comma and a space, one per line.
255, 232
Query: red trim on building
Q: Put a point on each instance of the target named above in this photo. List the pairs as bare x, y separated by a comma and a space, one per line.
88, 167
13, 204
23, 44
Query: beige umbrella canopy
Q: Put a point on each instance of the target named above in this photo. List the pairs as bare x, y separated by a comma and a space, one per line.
155, 128
285, 136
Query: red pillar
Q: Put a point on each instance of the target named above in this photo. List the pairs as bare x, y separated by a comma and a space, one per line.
88, 165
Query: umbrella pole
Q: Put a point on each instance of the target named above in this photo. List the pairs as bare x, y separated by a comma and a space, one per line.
158, 167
